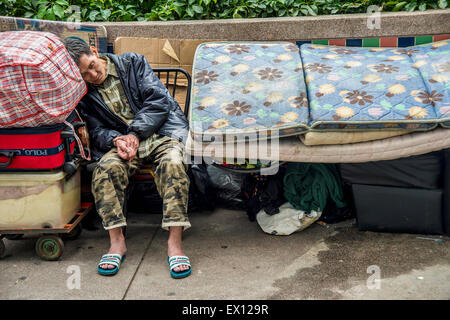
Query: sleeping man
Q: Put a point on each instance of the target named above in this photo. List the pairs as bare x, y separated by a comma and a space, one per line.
133, 120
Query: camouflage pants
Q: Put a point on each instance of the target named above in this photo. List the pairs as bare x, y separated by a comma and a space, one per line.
111, 178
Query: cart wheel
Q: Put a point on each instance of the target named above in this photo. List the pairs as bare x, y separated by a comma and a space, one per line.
49, 247
2, 248
74, 234
14, 236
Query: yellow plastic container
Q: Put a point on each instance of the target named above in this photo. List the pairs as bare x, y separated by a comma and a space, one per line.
38, 200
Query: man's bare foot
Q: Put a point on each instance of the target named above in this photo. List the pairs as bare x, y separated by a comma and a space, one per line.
118, 245
174, 246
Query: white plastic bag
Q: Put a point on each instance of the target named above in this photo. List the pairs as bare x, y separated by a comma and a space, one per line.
287, 221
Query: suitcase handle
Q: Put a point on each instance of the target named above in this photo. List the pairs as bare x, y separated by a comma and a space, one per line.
80, 145
7, 154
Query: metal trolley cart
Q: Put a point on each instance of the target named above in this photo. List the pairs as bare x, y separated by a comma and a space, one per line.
49, 244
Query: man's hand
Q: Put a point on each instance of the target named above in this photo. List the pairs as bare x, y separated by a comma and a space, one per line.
127, 146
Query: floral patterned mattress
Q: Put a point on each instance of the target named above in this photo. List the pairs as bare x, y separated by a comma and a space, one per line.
378, 88
242, 88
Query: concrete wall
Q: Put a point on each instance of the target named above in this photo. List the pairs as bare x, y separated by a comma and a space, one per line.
299, 28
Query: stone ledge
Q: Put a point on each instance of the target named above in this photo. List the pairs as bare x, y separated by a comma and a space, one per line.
395, 24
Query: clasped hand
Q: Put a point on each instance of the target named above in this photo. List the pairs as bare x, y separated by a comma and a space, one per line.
127, 146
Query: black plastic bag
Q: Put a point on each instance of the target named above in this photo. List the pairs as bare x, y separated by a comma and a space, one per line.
200, 189
227, 187
264, 192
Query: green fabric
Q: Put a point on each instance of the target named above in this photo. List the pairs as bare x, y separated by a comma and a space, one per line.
307, 186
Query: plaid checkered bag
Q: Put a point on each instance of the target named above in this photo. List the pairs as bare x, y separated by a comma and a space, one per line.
40, 84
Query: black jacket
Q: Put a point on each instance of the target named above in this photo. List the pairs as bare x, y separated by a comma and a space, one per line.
156, 111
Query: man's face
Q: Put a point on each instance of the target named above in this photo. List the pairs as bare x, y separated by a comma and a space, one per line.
92, 68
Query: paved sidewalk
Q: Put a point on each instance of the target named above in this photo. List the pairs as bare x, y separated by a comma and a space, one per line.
233, 258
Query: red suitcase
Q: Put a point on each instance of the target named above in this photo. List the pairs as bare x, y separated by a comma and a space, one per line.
37, 148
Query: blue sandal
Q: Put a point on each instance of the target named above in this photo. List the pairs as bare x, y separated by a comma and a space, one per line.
176, 261
113, 259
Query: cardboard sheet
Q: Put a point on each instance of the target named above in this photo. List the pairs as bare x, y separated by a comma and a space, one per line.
164, 53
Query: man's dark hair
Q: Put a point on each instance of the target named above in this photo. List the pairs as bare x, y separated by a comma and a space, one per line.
77, 48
